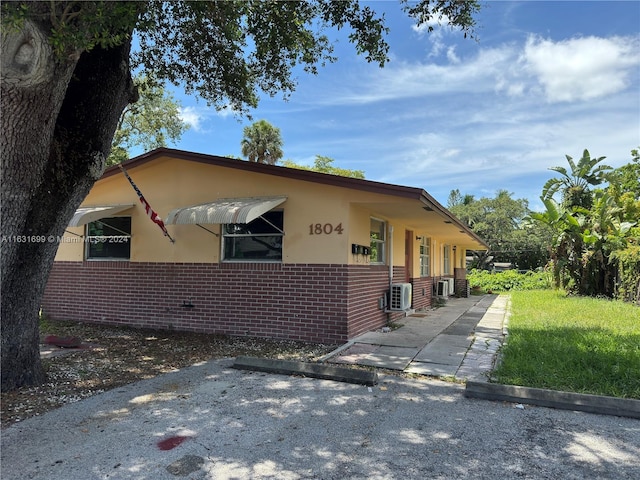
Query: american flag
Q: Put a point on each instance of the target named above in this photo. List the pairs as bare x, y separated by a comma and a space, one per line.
150, 212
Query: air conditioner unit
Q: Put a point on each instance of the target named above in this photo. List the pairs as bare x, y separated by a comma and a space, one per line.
442, 288
451, 285
400, 297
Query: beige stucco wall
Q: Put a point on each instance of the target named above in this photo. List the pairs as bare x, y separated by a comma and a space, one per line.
169, 183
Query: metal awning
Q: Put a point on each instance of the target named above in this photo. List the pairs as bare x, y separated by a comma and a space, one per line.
224, 210
86, 215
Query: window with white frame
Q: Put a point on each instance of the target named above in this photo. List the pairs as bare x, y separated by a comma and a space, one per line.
257, 241
108, 239
446, 260
378, 241
425, 257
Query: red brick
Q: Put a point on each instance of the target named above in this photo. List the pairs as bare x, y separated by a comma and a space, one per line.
315, 303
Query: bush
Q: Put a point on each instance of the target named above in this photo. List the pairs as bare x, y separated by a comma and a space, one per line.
628, 263
508, 280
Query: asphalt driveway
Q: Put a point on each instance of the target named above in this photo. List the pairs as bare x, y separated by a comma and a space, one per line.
210, 421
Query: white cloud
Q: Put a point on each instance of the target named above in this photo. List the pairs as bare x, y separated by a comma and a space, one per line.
506, 143
199, 117
408, 80
193, 117
225, 112
573, 70
581, 68
434, 22
439, 26
451, 55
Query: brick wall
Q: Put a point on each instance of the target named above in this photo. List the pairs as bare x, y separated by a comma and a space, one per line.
422, 292
461, 283
367, 285
314, 303
462, 288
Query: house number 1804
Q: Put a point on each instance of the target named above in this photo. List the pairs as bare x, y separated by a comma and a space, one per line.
324, 229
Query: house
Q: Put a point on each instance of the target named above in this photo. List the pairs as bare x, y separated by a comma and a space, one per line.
258, 250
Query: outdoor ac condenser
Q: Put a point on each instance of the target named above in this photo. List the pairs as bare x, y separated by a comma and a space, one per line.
400, 297
452, 284
442, 288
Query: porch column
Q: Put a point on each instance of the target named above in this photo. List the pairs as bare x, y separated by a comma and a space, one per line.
461, 283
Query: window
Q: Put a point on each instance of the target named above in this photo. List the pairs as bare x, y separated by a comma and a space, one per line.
446, 260
378, 240
425, 256
258, 241
109, 239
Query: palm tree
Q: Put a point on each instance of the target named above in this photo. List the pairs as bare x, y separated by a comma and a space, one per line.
566, 245
262, 143
575, 185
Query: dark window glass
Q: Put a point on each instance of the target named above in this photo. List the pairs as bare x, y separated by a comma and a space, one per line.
109, 238
258, 241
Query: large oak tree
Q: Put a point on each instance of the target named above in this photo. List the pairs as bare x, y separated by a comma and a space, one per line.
66, 79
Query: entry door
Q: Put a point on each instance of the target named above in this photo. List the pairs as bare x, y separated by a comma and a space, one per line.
408, 255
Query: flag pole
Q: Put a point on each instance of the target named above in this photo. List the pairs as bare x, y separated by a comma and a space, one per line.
150, 213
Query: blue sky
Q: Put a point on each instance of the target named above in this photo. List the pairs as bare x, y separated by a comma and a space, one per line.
543, 80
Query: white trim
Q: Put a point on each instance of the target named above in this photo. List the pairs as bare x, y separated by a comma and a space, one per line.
224, 211
86, 215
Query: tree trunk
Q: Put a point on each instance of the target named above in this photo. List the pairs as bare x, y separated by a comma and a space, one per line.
59, 116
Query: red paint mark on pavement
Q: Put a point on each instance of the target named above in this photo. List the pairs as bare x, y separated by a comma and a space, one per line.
171, 442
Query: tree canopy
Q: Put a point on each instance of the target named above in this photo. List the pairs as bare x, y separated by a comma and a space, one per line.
575, 184
262, 143
324, 164
149, 123
226, 52
595, 247
500, 222
627, 177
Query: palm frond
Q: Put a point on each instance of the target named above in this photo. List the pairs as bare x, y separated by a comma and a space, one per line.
560, 170
551, 187
571, 163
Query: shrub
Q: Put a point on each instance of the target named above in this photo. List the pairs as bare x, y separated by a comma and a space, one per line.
508, 280
628, 262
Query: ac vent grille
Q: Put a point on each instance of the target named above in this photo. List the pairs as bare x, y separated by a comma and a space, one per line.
400, 298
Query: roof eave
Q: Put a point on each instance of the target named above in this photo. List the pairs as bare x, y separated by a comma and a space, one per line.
293, 173
433, 204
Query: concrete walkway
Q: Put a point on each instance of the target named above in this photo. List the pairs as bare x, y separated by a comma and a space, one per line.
459, 340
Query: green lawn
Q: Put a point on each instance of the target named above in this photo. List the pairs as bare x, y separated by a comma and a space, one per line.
573, 344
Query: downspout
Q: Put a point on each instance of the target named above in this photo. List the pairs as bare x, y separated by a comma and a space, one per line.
390, 256
388, 311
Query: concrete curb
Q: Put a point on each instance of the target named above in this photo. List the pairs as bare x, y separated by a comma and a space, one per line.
313, 370
603, 405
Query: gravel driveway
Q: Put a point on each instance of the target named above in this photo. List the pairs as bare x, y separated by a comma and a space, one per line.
210, 421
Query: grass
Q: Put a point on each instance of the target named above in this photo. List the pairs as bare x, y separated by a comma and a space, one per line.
574, 344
